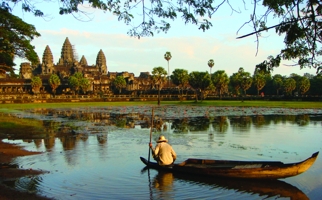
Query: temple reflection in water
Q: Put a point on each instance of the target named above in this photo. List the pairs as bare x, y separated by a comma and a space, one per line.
74, 126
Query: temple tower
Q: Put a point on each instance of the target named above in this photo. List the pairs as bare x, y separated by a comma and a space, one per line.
101, 62
47, 58
47, 61
83, 61
67, 55
25, 70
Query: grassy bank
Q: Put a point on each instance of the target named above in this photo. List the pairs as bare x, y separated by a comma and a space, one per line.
281, 104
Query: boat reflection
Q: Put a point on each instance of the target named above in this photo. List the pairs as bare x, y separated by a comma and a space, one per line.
269, 188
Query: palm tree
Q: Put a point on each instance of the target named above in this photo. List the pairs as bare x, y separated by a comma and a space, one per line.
74, 84
119, 82
84, 84
180, 78
200, 82
54, 82
168, 57
316, 85
278, 82
77, 82
303, 85
289, 85
211, 63
220, 81
246, 82
158, 79
259, 81
235, 82
36, 84
296, 77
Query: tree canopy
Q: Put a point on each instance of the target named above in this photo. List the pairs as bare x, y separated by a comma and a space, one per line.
158, 79
15, 38
54, 82
220, 80
77, 82
200, 82
289, 85
180, 78
36, 84
298, 21
119, 82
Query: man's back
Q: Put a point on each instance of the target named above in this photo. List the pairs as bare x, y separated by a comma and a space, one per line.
164, 153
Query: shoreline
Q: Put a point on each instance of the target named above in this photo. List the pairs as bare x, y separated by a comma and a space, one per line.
11, 172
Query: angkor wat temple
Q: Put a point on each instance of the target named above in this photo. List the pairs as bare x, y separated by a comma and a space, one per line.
98, 75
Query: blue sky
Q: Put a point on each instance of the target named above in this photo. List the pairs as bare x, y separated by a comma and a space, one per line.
190, 48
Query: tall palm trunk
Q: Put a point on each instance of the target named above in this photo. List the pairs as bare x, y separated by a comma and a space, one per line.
159, 96
181, 94
196, 93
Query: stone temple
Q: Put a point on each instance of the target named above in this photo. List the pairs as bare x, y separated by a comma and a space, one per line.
97, 74
67, 64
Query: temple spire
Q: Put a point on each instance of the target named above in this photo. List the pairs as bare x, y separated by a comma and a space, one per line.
83, 61
47, 66
101, 62
67, 53
47, 58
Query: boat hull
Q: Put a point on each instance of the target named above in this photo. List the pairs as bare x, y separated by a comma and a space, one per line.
238, 169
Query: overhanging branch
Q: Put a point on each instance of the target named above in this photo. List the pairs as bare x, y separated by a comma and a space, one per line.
255, 32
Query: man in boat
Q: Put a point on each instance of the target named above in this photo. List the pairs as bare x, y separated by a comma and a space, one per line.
163, 152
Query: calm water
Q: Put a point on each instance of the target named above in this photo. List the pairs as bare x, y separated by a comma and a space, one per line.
93, 153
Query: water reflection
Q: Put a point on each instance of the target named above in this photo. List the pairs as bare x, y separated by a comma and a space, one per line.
162, 184
49, 143
97, 141
102, 138
220, 124
164, 181
241, 124
187, 122
180, 123
267, 188
75, 128
25, 183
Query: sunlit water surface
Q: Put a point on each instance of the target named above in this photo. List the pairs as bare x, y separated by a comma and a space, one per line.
105, 164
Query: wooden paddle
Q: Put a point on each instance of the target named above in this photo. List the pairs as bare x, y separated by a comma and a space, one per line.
151, 133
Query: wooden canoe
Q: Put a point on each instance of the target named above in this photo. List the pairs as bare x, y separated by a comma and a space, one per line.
238, 169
